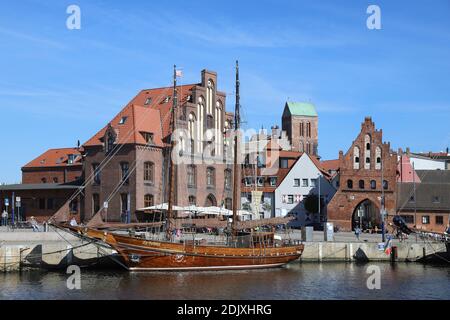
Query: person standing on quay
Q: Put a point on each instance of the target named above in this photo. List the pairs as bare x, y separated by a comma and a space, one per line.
357, 232
4, 218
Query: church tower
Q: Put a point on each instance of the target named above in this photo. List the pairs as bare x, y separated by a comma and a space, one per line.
300, 121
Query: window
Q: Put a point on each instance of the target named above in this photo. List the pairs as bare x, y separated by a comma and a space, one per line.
95, 203
361, 184
439, 220
44, 180
124, 168
304, 182
385, 185
227, 174
166, 99
273, 181
96, 170
367, 146
148, 200
296, 182
378, 158
356, 157
55, 180
149, 171
124, 202
228, 203
412, 199
260, 181
283, 163
290, 199
147, 101
436, 199
123, 120
42, 203
191, 176
248, 181
73, 206
425, 219
373, 184
313, 183
367, 160
110, 142
192, 201
70, 158
148, 137
308, 129
209, 122
350, 184
210, 177
408, 218
302, 129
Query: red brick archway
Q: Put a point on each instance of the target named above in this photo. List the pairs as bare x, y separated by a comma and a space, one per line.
370, 215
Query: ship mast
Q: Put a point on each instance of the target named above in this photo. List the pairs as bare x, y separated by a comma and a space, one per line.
237, 120
171, 163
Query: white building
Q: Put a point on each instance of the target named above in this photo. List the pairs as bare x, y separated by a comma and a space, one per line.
304, 179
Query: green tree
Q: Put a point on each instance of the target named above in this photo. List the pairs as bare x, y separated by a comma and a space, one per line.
311, 203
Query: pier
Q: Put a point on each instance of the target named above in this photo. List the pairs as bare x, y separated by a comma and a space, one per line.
20, 250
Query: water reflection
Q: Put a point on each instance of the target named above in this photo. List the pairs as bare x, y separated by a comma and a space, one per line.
296, 281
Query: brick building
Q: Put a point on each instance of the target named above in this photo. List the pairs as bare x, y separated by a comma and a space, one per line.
368, 166
138, 138
54, 166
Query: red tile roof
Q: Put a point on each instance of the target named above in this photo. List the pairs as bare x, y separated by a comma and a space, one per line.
332, 165
55, 158
152, 117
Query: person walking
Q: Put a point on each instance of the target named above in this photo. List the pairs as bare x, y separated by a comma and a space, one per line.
34, 224
4, 218
357, 232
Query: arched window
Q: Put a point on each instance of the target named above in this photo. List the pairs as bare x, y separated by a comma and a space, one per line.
350, 184
373, 184
308, 129
361, 184
307, 147
210, 201
95, 203
301, 147
148, 200
227, 174
385, 185
302, 129
209, 121
210, 177
96, 170
149, 171
191, 128
356, 157
378, 158
367, 151
192, 201
191, 176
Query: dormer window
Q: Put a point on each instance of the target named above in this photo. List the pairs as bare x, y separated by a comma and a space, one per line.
70, 158
110, 141
123, 120
148, 137
189, 98
166, 99
147, 101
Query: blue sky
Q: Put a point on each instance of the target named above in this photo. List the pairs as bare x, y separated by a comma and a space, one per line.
58, 86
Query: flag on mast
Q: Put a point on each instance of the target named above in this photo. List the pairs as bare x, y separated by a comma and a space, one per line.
179, 73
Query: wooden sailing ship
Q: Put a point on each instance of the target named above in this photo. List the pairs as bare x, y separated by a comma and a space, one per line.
243, 250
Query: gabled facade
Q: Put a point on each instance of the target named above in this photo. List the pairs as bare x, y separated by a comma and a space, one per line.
366, 171
305, 178
137, 139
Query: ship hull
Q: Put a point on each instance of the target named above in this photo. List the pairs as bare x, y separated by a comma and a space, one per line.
143, 255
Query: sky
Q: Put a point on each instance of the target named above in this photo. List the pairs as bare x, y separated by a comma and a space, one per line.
58, 85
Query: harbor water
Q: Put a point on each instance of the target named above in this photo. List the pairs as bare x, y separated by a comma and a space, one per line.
295, 281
